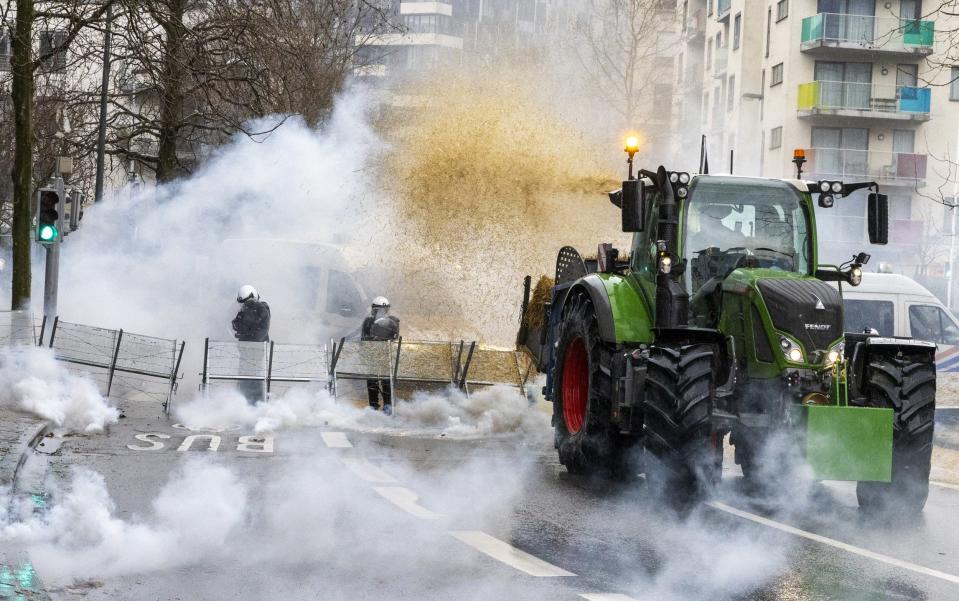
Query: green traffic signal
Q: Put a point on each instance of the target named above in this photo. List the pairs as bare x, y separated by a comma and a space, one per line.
48, 233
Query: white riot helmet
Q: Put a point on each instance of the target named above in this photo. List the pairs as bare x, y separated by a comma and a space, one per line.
246, 293
381, 304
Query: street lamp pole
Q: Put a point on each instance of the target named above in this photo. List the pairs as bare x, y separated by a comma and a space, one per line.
104, 90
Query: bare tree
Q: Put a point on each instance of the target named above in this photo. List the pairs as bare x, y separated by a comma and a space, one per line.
622, 51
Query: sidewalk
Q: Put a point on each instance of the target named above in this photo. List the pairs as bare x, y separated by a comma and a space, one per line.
17, 432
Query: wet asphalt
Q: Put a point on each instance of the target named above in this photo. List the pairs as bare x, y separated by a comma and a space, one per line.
328, 519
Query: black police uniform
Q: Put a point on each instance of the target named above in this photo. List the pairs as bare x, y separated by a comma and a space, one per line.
386, 327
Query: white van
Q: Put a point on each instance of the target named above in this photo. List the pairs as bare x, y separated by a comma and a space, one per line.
895, 305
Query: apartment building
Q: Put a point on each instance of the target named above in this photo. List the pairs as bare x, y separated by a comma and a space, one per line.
858, 84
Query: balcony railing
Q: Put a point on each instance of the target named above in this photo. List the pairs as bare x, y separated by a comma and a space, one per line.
868, 33
722, 9
847, 164
870, 100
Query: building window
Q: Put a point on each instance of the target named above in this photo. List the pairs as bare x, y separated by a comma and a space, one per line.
52, 46
769, 24
776, 137
737, 26
719, 40
954, 84
782, 10
777, 75
4, 50
731, 93
709, 7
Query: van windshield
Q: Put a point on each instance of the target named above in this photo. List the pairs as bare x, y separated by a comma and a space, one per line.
861, 315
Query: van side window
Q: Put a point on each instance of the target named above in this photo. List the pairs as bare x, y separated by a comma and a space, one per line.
930, 323
862, 314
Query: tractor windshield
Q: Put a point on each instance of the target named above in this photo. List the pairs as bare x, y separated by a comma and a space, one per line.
737, 222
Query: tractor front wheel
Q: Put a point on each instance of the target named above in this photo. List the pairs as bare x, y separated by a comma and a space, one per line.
906, 383
680, 388
585, 437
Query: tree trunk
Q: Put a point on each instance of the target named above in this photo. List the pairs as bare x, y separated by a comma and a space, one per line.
22, 71
171, 94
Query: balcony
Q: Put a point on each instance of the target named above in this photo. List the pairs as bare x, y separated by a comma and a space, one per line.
886, 168
720, 64
863, 100
722, 9
696, 26
861, 34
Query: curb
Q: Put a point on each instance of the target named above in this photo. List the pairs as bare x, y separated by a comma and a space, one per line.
11, 464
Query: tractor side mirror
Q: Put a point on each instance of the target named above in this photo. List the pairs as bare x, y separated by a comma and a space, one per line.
634, 205
877, 218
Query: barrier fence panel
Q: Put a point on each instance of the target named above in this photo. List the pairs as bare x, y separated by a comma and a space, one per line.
493, 367
20, 328
125, 365
263, 368
432, 362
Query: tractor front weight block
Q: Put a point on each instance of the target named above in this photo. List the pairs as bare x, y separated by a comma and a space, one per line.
849, 443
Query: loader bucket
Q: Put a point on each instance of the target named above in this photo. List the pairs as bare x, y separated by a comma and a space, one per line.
849, 443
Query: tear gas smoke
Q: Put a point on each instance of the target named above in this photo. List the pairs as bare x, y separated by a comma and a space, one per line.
487, 412
81, 536
32, 380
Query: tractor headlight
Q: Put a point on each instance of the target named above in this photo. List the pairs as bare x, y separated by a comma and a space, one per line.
855, 275
665, 264
684, 178
673, 177
824, 186
682, 191
791, 350
836, 187
835, 354
826, 201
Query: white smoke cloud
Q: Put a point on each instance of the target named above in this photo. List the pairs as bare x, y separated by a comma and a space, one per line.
32, 380
492, 411
81, 537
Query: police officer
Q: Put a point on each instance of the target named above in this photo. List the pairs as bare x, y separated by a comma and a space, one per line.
380, 325
251, 324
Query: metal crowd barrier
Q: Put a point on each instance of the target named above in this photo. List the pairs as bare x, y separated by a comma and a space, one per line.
124, 364
275, 366
20, 328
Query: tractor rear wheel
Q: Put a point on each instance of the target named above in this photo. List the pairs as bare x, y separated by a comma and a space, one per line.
680, 386
906, 383
585, 437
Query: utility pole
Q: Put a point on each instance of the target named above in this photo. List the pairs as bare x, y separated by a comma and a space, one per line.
104, 90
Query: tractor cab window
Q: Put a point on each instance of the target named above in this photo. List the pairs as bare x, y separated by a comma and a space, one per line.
741, 223
644, 255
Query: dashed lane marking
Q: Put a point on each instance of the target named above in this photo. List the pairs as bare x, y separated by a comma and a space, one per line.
945, 484
606, 597
336, 440
823, 540
367, 471
405, 499
509, 554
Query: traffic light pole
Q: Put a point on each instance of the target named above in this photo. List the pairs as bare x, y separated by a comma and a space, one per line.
51, 277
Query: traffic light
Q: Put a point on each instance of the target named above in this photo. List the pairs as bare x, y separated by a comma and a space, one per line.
49, 208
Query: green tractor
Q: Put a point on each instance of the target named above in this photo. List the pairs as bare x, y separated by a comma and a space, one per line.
722, 321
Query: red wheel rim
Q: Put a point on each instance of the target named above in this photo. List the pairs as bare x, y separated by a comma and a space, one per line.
575, 386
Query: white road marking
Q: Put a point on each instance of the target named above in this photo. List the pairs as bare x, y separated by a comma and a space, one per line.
336, 440
255, 444
155, 445
509, 554
823, 540
188, 442
606, 597
367, 471
405, 499
945, 484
